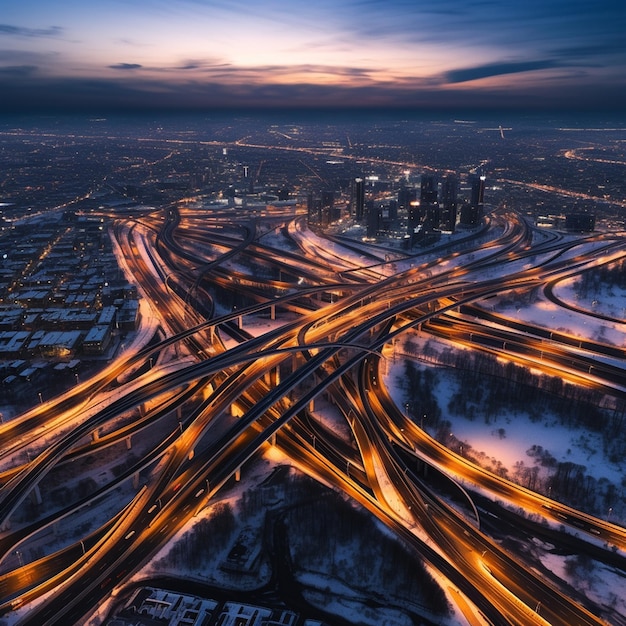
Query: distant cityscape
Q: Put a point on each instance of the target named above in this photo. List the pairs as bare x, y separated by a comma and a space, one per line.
180, 296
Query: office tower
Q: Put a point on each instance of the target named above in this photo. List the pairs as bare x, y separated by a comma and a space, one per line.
328, 203
478, 193
328, 199
358, 199
429, 207
428, 189
321, 208
414, 217
406, 195
393, 210
449, 204
314, 208
470, 215
373, 218
580, 222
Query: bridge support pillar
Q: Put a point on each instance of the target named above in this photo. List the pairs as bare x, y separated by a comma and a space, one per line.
95, 435
136, 480
128, 443
312, 405
273, 312
238, 474
36, 495
272, 378
207, 390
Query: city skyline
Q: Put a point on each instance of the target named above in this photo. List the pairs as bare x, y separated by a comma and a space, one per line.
370, 359
152, 55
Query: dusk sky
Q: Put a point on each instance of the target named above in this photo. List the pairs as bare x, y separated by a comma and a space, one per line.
292, 53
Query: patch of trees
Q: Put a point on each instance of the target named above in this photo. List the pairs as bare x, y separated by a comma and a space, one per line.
601, 279
330, 535
485, 387
419, 386
200, 544
571, 482
488, 386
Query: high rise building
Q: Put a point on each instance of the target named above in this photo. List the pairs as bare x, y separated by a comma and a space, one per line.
358, 199
406, 195
321, 208
428, 189
429, 207
478, 193
314, 208
580, 222
449, 187
469, 215
373, 216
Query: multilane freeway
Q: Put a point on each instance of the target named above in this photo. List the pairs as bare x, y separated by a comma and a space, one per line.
221, 395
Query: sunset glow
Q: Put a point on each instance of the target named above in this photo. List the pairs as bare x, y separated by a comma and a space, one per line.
264, 53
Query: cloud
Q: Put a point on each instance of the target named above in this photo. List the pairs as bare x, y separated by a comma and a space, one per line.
126, 66
277, 86
218, 69
18, 70
24, 57
606, 48
194, 64
22, 31
183, 66
262, 72
468, 74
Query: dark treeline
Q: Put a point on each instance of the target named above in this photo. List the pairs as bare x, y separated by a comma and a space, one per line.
484, 387
206, 539
347, 543
326, 534
601, 279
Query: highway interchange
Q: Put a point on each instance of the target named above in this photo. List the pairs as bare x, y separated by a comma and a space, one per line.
232, 394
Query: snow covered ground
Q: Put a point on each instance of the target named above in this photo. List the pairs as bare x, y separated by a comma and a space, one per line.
508, 447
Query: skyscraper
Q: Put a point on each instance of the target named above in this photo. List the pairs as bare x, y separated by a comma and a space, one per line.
406, 195
478, 193
428, 189
469, 215
449, 188
358, 195
428, 204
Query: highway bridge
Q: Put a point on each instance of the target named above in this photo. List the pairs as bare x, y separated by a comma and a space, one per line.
222, 395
